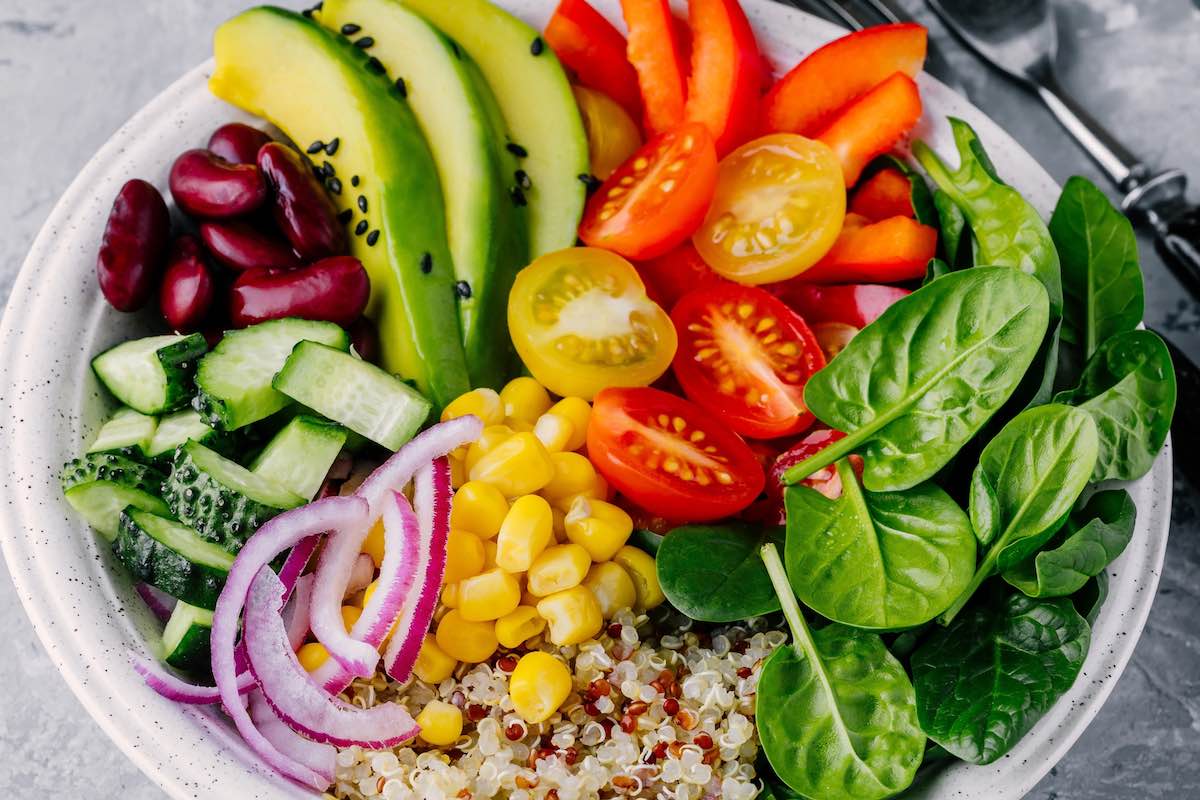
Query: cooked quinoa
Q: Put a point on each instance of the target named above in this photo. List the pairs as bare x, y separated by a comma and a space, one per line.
665, 716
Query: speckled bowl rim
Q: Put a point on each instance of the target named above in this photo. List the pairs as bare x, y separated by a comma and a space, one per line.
85, 612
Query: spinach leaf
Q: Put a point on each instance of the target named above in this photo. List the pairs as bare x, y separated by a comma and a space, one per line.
1102, 283
714, 573
1008, 230
1129, 389
955, 237
836, 712
1091, 539
935, 269
920, 196
983, 682
912, 387
647, 540
1035, 468
883, 561
1090, 599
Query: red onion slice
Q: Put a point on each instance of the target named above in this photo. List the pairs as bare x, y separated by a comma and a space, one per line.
296, 615
320, 758
174, 688
361, 576
159, 602
296, 700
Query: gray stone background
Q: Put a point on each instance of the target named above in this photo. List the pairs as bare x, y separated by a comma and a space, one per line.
72, 72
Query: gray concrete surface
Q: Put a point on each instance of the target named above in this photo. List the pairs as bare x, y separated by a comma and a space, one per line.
72, 72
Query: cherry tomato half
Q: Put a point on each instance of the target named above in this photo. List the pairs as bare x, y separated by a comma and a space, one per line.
612, 134
826, 480
671, 457
745, 356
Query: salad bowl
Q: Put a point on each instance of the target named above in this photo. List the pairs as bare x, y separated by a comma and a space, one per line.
87, 615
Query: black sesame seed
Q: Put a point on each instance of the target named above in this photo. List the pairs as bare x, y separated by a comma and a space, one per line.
462, 289
375, 65
402, 87
345, 216
590, 181
362, 203
537, 46
327, 169
320, 173
360, 228
307, 13
522, 178
354, 180
364, 42
349, 29
332, 146
518, 197
426, 264
315, 147
372, 238
516, 150
334, 185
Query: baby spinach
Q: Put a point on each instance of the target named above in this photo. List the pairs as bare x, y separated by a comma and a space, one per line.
1029, 476
954, 238
1091, 539
921, 198
836, 712
714, 573
1090, 599
912, 387
983, 682
1008, 230
1128, 387
885, 560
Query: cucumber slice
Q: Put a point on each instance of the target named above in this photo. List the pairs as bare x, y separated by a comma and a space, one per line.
127, 431
223, 501
187, 425
359, 395
185, 640
111, 467
100, 503
300, 455
152, 375
172, 557
235, 378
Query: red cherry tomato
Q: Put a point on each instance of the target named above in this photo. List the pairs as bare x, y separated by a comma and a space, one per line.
674, 274
671, 457
825, 481
853, 304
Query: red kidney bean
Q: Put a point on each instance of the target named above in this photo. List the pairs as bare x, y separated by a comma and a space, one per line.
302, 208
237, 143
206, 185
365, 339
134, 248
241, 246
186, 294
333, 289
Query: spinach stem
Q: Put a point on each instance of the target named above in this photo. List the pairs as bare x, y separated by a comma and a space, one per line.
802, 641
823, 458
984, 572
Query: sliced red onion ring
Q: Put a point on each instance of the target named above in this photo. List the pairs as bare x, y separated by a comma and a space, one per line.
284, 531
431, 493
361, 576
161, 603
297, 612
320, 758
179, 690
296, 700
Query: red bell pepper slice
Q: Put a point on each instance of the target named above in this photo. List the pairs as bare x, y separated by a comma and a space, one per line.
654, 50
853, 304
726, 79
873, 124
590, 47
896, 249
886, 194
674, 274
807, 99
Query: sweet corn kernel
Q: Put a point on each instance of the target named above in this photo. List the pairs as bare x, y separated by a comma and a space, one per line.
558, 523
461, 639
538, 686
554, 431
464, 556
478, 507
573, 474
640, 566
529, 599
519, 425
483, 403
441, 723
458, 469
373, 544
519, 625
488, 596
600, 527
519, 465
312, 656
450, 595
524, 399
526, 532
492, 436
612, 586
367, 592
577, 410
573, 615
489, 554
433, 665
350, 615
559, 567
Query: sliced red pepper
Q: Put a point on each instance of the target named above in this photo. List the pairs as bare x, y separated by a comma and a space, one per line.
676, 273
724, 87
807, 99
886, 194
653, 49
853, 304
588, 45
896, 249
873, 124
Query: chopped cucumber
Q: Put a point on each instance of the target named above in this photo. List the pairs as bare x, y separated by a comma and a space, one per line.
126, 431
186, 638
111, 467
223, 501
152, 375
359, 395
187, 425
300, 455
172, 557
235, 378
100, 503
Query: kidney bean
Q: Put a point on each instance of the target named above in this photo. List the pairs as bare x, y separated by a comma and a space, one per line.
365, 339
206, 185
186, 294
302, 208
134, 248
237, 143
333, 289
241, 246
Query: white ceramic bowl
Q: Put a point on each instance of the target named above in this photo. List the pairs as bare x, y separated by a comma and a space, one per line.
84, 609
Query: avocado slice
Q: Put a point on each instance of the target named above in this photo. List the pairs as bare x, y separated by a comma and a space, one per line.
487, 230
539, 110
317, 86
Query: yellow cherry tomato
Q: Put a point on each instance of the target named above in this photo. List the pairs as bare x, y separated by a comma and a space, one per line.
612, 134
581, 321
778, 208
